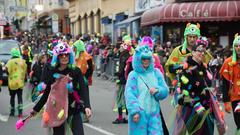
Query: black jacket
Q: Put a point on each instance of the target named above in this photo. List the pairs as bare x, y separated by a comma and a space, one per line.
198, 81
122, 64
78, 85
37, 72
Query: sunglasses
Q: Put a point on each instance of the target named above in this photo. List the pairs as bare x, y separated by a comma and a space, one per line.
145, 58
64, 55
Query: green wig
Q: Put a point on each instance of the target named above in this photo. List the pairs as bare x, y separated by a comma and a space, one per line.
15, 52
191, 29
80, 47
236, 42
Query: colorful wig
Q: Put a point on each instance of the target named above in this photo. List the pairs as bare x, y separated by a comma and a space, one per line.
62, 48
202, 41
146, 40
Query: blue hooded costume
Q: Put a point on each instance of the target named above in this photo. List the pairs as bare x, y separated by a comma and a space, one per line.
138, 97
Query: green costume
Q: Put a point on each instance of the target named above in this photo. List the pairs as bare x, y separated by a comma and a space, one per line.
180, 53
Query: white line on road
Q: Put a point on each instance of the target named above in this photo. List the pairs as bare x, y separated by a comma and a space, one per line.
98, 129
4, 118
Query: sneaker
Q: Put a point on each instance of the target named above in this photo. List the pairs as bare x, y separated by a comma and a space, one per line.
12, 113
118, 121
125, 120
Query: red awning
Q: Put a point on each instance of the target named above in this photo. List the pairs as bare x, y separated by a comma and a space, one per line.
194, 11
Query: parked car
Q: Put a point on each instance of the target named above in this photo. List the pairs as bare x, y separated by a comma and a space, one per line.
5, 54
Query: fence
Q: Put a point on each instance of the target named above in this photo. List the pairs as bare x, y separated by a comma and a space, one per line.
106, 70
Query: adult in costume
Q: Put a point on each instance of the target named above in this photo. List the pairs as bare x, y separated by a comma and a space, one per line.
145, 87
63, 88
194, 100
191, 34
84, 61
16, 69
230, 73
125, 49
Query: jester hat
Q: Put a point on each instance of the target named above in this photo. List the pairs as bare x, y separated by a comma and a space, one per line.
236, 42
191, 29
79, 46
15, 52
62, 48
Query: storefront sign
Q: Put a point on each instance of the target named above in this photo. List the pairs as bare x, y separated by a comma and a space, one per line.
190, 14
55, 26
142, 5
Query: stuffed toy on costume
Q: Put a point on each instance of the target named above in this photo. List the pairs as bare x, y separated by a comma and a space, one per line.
138, 97
180, 53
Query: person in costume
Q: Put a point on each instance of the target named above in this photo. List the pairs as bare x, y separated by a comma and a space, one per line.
84, 61
27, 56
230, 74
194, 100
145, 87
35, 74
63, 88
191, 34
146, 40
120, 101
16, 70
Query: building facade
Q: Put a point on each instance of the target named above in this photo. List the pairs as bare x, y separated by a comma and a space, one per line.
53, 17
85, 16
218, 19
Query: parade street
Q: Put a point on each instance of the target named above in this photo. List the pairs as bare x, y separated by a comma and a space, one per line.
101, 94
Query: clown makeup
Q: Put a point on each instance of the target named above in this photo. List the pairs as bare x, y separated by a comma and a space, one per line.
145, 62
191, 39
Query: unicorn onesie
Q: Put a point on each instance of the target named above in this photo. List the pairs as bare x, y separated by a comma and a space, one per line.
138, 98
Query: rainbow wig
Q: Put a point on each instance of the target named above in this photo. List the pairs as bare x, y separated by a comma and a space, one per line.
62, 48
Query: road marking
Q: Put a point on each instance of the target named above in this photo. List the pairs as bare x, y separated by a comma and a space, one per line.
4, 118
98, 129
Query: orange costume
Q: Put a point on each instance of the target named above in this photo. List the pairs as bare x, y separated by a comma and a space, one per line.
231, 73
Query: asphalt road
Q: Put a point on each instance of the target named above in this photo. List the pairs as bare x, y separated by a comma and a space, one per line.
101, 94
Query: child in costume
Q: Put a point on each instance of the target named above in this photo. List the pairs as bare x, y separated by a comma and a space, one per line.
195, 111
35, 74
120, 101
145, 87
230, 73
63, 88
16, 69
84, 61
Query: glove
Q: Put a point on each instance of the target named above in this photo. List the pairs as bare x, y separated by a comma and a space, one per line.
228, 107
199, 108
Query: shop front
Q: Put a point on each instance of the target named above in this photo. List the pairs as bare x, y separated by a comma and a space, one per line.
219, 20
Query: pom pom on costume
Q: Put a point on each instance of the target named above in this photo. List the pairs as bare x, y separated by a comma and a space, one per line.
41, 86
45, 117
70, 87
184, 79
61, 114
